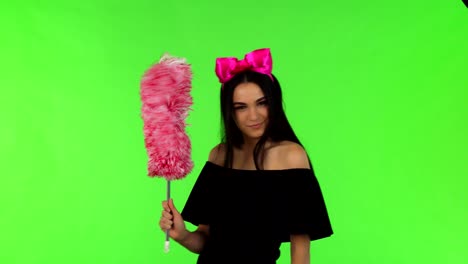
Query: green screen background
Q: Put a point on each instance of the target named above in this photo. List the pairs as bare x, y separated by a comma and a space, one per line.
376, 91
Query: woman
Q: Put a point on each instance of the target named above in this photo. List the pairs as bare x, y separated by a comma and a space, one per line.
258, 188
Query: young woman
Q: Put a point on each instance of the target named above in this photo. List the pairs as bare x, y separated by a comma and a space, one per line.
258, 188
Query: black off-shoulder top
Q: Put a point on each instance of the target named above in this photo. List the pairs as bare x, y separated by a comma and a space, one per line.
251, 212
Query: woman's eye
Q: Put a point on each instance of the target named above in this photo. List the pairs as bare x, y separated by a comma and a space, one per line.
263, 103
239, 107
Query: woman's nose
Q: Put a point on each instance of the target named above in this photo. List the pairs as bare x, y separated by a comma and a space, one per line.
253, 113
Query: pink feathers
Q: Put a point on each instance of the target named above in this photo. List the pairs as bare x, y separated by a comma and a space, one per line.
165, 92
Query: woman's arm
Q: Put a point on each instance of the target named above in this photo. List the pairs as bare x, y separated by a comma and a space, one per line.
172, 220
195, 241
294, 156
300, 249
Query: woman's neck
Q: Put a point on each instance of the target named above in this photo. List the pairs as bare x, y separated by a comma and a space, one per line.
248, 146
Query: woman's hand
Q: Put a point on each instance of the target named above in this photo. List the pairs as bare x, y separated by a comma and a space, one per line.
172, 220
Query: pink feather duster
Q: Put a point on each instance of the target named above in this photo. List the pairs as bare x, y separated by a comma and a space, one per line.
165, 92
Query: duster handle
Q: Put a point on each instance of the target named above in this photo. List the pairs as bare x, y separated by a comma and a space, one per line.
166, 243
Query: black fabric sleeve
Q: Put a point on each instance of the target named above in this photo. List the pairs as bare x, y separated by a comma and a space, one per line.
196, 209
302, 209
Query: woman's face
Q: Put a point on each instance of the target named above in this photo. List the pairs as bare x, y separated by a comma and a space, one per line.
250, 110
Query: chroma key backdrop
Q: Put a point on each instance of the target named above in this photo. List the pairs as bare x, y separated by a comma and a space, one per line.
377, 91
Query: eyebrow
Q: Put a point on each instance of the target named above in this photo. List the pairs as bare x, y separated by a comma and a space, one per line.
258, 100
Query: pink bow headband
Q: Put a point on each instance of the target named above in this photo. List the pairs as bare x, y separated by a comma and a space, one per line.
257, 61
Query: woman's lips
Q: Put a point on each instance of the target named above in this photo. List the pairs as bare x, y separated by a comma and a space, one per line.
256, 125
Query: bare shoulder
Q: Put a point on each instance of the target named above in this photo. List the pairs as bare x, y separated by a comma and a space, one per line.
287, 155
217, 154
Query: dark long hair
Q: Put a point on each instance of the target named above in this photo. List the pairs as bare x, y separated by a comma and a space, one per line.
278, 128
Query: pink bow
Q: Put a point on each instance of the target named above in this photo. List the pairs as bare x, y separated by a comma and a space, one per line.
257, 61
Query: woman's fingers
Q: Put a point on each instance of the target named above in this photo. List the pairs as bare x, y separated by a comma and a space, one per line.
171, 219
165, 223
166, 215
166, 206
166, 220
172, 207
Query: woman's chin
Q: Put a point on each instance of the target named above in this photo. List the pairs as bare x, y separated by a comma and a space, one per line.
254, 135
